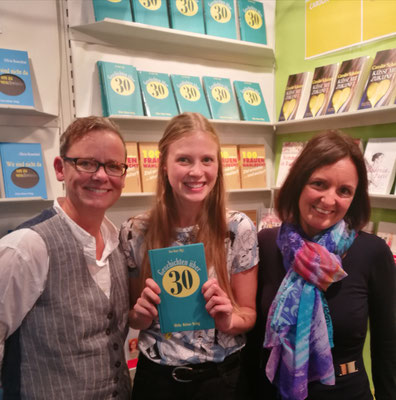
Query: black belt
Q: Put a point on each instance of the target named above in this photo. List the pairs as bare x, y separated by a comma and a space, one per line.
192, 372
348, 367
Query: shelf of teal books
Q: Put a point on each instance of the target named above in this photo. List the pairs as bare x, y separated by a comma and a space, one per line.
376, 116
136, 36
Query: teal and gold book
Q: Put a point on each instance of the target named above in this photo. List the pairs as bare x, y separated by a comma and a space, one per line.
22, 170
220, 98
151, 12
120, 9
189, 94
186, 15
180, 272
219, 16
251, 101
120, 89
158, 97
15, 78
252, 21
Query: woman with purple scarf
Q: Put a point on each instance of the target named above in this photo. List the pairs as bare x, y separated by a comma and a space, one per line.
321, 282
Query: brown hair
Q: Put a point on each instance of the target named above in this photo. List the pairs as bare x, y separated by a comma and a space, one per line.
325, 148
80, 127
211, 222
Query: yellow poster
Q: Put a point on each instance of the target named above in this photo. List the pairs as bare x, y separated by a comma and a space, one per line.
335, 24
379, 18
330, 25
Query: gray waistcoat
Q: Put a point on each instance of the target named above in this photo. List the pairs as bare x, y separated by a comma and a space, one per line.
72, 340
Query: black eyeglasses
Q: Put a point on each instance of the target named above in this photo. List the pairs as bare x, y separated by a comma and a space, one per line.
90, 165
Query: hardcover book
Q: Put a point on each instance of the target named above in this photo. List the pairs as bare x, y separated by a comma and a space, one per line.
380, 157
189, 94
290, 151
296, 96
132, 178
381, 84
120, 9
221, 99
150, 12
219, 16
348, 88
148, 160
180, 272
253, 168
252, 21
387, 231
187, 15
231, 173
22, 170
120, 89
158, 97
323, 81
251, 101
15, 78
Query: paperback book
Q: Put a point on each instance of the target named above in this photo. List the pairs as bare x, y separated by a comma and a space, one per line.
252, 21
150, 12
229, 160
187, 15
15, 78
221, 99
219, 16
296, 96
251, 101
387, 231
148, 160
322, 86
253, 167
349, 85
180, 272
132, 178
158, 97
189, 94
120, 9
380, 89
290, 151
22, 170
120, 89
380, 158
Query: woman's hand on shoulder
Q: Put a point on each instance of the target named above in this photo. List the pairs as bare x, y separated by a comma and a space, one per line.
145, 309
218, 305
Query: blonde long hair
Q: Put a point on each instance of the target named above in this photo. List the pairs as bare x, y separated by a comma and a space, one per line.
211, 223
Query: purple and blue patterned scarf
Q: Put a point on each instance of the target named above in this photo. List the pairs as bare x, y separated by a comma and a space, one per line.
299, 330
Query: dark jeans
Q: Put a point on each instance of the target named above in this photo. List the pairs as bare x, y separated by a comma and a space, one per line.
208, 381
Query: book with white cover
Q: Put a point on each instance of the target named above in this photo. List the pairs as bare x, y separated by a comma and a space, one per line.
380, 157
387, 231
290, 151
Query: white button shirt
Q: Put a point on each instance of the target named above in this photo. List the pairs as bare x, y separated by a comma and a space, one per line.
24, 264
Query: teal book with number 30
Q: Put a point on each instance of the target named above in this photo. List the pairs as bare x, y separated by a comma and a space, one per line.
252, 21
189, 94
120, 89
186, 15
158, 97
221, 99
251, 101
180, 272
220, 18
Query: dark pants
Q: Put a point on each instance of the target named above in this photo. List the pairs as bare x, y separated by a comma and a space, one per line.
207, 381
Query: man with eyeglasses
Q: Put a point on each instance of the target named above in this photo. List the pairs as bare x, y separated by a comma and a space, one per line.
63, 280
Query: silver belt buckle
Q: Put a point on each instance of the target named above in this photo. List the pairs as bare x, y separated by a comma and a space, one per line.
174, 371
